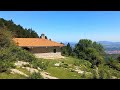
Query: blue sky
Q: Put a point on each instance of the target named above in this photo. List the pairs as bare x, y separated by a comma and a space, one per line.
70, 25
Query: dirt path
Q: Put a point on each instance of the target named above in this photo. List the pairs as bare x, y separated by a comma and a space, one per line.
47, 76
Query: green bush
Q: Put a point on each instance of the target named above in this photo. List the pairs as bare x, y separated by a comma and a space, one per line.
22, 55
5, 66
94, 74
5, 38
26, 65
40, 64
72, 70
113, 64
6, 60
5, 55
82, 62
64, 65
35, 76
77, 63
15, 53
62, 62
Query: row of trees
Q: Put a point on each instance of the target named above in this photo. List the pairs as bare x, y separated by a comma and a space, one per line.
17, 30
87, 50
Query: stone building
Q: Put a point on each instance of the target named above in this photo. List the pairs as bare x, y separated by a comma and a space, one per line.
39, 45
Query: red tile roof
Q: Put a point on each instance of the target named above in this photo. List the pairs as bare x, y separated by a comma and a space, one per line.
35, 42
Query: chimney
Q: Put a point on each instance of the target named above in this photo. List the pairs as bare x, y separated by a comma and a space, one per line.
43, 36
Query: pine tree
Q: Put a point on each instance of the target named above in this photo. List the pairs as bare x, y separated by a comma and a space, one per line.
17, 30
46, 37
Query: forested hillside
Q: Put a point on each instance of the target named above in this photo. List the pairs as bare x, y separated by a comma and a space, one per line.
17, 30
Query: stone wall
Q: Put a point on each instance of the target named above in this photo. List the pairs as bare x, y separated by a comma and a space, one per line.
44, 49
49, 55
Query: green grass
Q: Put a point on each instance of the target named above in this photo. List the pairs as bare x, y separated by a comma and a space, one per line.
60, 72
69, 60
63, 73
11, 76
51, 61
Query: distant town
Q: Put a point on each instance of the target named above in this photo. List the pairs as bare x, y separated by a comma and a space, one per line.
113, 52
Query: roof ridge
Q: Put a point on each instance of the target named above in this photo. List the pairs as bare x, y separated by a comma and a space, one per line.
52, 41
36, 42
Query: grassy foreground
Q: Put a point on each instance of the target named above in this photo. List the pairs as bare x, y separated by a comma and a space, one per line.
11, 76
64, 71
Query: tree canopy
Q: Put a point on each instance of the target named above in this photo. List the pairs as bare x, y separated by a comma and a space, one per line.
87, 50
17, 30
67, 50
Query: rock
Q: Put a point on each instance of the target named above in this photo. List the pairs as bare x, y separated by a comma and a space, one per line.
79, 71
47, 76
38, 68
18, 72
57, 64
21, 63
113, 77
47, 73
31, 70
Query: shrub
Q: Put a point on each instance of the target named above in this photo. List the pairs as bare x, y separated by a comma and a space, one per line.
40, 64
35, 76
62, 62
76, 62
82, 62
5, 38
27, 65
65, 65
22, 55
5, 66
94, 74
72, 70
15, 53
83, 75
113, 64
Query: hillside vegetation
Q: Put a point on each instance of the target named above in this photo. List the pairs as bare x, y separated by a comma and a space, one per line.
87, 60
94, 53
17, 30
10, 53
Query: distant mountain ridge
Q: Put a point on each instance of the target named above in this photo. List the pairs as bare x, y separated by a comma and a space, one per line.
108, 42
110, 46
72, 44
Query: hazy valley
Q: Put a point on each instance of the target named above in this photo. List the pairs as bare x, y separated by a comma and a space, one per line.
110, 47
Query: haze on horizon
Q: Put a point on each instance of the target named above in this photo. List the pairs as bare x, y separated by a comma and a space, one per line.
70, 26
